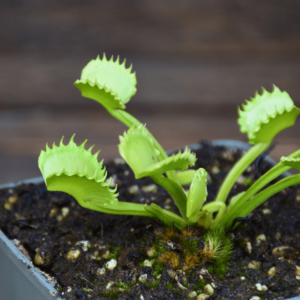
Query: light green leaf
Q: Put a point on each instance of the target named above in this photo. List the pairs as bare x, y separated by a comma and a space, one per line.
178, 161
234, 200
291, 162
108, 82
186, 177
74, 170
138, 150
197, 195
266, 115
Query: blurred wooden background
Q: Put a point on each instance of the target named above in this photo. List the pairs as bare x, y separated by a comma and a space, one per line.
196, 61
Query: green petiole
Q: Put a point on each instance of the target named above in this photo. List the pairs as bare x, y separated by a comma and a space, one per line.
238, 169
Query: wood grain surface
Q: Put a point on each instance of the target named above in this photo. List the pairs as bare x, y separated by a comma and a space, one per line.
195, 61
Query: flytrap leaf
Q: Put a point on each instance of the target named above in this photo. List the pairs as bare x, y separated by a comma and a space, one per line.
291, 162
197, 195
108, 82
76, 171
138, 150
265, 115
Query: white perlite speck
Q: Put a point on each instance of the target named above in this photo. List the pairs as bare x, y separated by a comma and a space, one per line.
151, 252
100, 271
192, 294
261, 288
255, 298
111, 264
147, 263
215, 170
109, 285
266, 211
249, 247
73, 254
240, 180
133, 190
84, 245
260, 238
106, 254
151, 188
297, 271
243, 278
143, 278
202, 296
119, 161
281, 250
272, 271
254, 264
65, 211
209, 289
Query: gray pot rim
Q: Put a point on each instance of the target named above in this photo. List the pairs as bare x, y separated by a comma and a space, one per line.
43, 282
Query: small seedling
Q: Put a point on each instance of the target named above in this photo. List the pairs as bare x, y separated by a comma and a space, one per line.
169, 285
153, 284
74, 170
157, 268
199, 285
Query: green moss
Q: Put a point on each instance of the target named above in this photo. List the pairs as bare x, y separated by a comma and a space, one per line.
111, 294
199, 285
126, 286
159, 248
261, 295
169, 285
114, 252
153, 284
144, 239
280, 281
189, 245
157, 268
101, 283
223, 253
178, 292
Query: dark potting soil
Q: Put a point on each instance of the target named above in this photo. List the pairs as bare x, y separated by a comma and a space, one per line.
78, 247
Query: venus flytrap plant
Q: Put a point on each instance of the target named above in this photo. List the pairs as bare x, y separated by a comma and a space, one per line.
74, 170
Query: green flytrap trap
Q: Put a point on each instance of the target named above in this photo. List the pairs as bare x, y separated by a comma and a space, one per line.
76, 171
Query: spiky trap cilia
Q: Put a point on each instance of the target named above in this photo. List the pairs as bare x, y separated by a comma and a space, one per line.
76, 171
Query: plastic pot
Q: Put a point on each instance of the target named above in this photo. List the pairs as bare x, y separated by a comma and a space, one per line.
21, 280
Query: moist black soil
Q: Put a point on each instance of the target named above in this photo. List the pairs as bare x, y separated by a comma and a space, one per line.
74, 245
